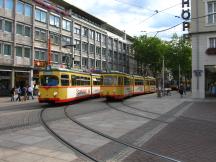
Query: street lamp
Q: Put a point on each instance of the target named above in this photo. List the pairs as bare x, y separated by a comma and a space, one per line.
69, 59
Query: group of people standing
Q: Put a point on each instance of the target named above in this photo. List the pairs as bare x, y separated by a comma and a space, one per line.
21, 93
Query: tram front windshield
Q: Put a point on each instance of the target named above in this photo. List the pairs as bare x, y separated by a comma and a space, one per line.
49, 80
110, 80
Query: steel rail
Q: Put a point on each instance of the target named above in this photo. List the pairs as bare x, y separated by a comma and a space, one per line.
64, 142
116, 140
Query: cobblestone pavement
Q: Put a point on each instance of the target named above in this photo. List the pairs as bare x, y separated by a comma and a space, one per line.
188, 138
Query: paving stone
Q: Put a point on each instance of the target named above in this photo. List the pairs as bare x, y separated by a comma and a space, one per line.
24, 157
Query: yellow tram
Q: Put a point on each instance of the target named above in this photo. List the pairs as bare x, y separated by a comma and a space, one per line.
149, 84
63, 85
116, 85
138, 85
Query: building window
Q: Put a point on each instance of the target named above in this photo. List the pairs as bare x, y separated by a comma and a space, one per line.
19, 29
1, 3
8, 26
66, 41
103, 38
40, 35
98, 36
84, 32
1, 24
212, 42
40, 16
27, 31
23, 9
104, 52
77, 43
19, 51
28, 10
92, 48
0, 48
19, 7
66, 25
55, 57
54, 20
84, 46
76, 30
7, 49
212, 12
98, 50
91, 34
55, 38
9, 4
27, 52
39, 55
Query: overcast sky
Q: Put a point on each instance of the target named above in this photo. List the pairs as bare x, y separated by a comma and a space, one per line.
134, 16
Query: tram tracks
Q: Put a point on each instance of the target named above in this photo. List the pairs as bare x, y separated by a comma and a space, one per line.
72, 147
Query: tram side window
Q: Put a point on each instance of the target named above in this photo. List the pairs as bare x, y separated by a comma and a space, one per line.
86, 81
138, 82
96, 81
120, 80
73, 80
126, 81
49, 80
110, 80
146, 82
152, 82
65, 80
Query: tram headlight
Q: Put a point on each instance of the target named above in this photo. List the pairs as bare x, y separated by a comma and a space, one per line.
39, 94
55, 94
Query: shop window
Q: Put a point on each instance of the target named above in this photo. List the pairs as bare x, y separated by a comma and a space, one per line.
9, 4
66, 25
8, 26
40, 16
7, 49
54, 20
27, 52
19, 51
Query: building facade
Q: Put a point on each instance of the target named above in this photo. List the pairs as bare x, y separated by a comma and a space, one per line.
203, 31
76, 39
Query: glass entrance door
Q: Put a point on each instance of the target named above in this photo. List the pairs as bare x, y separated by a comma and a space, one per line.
210, 81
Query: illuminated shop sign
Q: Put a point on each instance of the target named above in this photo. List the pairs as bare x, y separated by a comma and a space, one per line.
186, 14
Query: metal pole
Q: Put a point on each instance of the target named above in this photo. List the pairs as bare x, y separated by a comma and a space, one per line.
179, 75
163, 75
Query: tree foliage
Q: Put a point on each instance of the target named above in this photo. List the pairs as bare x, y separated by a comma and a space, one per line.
149, 53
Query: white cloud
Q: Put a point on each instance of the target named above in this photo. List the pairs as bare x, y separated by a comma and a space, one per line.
131, 17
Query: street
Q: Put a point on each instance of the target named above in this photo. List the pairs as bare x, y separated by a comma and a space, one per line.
141, 128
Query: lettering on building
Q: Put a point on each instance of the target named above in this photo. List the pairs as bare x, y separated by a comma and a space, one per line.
186, 14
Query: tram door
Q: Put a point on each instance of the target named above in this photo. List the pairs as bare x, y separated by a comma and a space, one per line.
210, 81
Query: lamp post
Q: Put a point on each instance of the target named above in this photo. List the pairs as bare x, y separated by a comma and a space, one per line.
70, 63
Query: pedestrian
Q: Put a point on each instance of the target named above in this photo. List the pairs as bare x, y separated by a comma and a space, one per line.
12, 92
30, 92
181, 90
23, 93
18, 92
